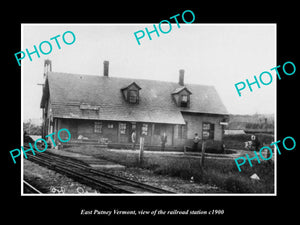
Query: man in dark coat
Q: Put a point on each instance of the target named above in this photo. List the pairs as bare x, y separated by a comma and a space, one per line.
164, 139
255, 142
195, 142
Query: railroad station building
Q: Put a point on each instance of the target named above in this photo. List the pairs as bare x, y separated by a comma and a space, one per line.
107, 109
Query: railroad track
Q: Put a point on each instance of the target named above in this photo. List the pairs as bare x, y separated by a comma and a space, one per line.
101, 181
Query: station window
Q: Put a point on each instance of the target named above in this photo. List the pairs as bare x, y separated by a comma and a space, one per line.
145, 129
98, 127
208, 130
110, 125
133, 96
122, 128
184, 101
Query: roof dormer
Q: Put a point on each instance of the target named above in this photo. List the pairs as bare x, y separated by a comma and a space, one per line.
182, 96
131, 93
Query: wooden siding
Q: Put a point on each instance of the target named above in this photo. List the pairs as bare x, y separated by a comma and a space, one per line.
111, 130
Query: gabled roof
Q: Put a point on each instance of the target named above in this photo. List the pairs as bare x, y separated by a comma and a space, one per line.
180, 89
69, 91
132, 84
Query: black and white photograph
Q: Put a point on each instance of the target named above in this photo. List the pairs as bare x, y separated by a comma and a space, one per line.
131, 113
162, 117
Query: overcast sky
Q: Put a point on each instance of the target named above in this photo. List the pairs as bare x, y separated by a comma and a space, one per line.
212, 54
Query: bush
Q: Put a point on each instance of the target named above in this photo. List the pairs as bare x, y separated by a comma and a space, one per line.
238, 141
236, 184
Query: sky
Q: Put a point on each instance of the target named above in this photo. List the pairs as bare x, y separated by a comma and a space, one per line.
210, 54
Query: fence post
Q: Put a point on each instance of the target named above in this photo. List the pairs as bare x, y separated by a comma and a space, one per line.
202, 155
141, 153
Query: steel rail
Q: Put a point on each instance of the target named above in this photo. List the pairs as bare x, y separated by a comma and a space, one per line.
111, 176
86, 174
95, 183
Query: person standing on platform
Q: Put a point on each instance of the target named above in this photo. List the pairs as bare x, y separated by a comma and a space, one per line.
133, 139
164, 139
195, 142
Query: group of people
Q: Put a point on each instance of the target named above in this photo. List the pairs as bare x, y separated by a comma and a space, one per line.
163, 138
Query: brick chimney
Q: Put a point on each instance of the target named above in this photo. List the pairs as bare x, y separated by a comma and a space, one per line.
181, 77
105, 68
47, 66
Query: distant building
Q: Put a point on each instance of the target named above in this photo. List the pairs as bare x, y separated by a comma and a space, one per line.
107, 107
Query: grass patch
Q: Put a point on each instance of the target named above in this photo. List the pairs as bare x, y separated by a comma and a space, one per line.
222, 173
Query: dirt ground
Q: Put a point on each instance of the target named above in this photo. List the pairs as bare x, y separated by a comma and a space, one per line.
50, 182
173, 184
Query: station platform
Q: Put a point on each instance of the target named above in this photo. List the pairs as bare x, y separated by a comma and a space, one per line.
93, 162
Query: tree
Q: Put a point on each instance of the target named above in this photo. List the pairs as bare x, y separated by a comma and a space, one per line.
31, 128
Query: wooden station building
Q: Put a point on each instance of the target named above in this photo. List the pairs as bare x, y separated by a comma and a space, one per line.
110, 108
